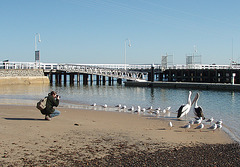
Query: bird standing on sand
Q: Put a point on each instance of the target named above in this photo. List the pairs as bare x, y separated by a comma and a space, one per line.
219, 122
201, 126
198, 121
105, 106
219, 126
94, 104
188, 126
210, 120
213, 127
185, 108
198, 111
170, 125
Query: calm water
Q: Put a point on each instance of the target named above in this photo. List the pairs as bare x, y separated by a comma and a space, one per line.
218, 104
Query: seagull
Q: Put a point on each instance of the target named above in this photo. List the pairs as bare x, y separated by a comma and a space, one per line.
168, 108
119, 105
188, 126
198, 121
131, 109
143, 109
124, 107
105, 106
201, 126
210, 120
191, 122
213, 127
185, 108
219, 126
219, 122
94, 104
138, 110
170, 125
150, 108
198, 111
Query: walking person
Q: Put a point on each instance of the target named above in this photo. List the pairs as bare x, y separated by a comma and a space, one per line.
52, 101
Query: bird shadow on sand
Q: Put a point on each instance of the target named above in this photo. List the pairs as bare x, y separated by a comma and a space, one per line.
24, 119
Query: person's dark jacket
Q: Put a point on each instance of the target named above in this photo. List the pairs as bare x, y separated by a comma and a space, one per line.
51, 102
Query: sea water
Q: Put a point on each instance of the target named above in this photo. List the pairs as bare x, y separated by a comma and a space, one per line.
217, 104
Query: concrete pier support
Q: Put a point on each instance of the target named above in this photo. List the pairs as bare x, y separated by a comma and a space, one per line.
65, 78
50, 77
103, 80
85, 79
109, 81
97, 79
71, 79
91, 79
78, 78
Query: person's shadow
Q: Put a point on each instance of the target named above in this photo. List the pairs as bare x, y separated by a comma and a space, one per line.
24, 119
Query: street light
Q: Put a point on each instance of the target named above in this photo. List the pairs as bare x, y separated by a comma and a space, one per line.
125, 53
39, 40
37, 54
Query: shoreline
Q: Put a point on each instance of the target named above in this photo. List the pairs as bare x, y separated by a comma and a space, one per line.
186, 85
93, 136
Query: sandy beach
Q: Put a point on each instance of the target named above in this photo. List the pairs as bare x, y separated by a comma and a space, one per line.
101, 138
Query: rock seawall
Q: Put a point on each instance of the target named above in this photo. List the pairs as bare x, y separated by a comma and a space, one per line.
22, 76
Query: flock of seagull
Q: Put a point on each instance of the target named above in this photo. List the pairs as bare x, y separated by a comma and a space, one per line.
182, 111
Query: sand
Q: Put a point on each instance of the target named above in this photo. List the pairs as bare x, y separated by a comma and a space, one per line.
97, 138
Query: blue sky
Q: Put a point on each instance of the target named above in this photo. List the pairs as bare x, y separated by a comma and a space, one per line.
94, 31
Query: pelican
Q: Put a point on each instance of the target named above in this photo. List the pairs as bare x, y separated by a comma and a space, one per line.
201, 126
198, 111
185, 108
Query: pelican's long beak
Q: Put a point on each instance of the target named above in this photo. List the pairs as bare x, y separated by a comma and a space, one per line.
194, 100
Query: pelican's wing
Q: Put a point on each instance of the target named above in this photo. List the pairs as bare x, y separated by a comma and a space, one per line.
182, 109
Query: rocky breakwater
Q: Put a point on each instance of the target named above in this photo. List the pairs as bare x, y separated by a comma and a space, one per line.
22, 76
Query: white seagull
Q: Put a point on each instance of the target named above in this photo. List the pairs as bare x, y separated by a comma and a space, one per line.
213, 127
201, 126
131, 109
210, 120
219, 122
105, 106
119, 106
198, 111
150, 108
170, 125
219, 126
198, 121
188, 126
185, 108
94, 104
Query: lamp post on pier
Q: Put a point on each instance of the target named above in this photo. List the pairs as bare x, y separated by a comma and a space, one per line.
37, 54
125, 52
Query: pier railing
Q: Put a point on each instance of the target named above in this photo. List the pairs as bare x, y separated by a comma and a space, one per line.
57, 66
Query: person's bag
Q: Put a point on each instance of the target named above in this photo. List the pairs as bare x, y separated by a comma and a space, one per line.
41, 105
